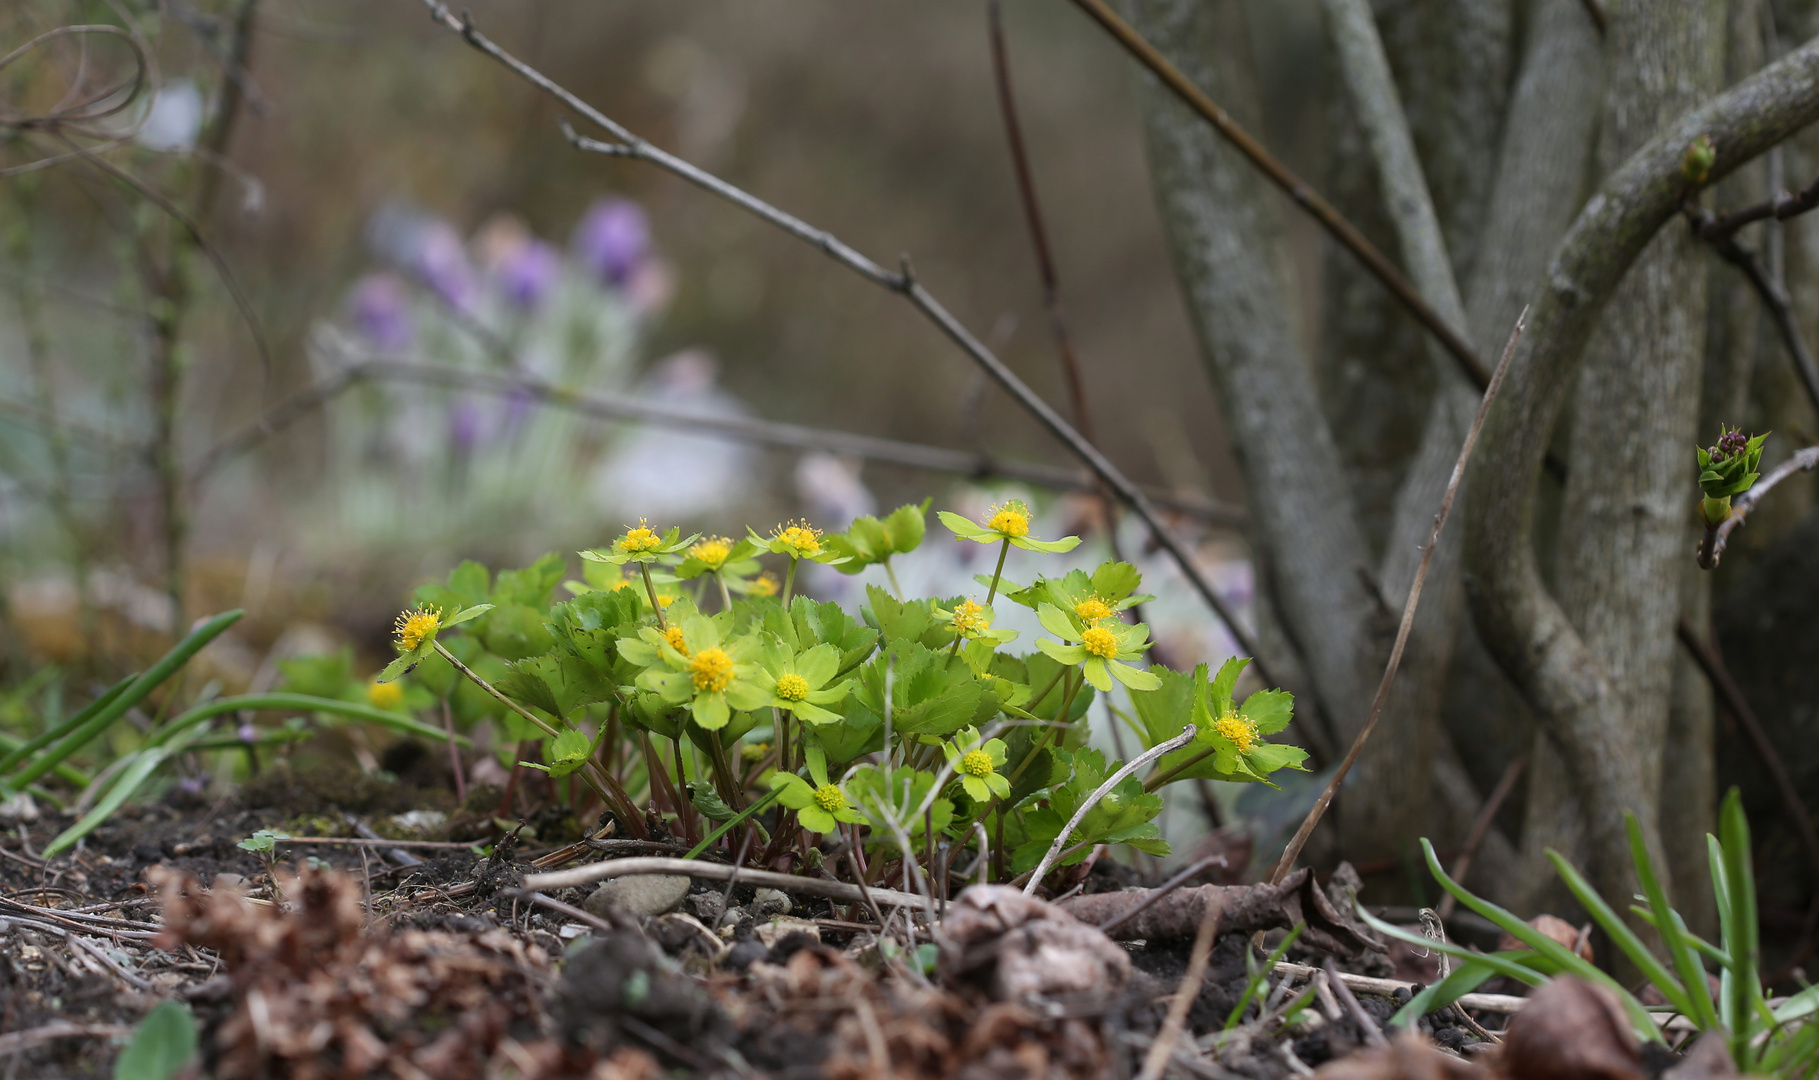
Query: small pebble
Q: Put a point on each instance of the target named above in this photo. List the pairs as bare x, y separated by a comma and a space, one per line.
769, 903
649, 894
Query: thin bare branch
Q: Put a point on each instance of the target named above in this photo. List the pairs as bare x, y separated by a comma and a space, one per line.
1314, 814
612, 868
1720, 231
617, 407
628, 145
1481, 828
1293, 186
1054, 850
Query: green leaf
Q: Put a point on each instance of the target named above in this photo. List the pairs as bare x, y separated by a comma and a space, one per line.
1679, 950
162, 1044
1270, 710
1226, 682
906, 527
1164, 711
568, 752
466, 614
705, 799
896, 620
1116, 580
515, 631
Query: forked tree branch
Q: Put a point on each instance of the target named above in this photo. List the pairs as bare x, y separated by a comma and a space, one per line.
1720, 231
1521, 622
903, 282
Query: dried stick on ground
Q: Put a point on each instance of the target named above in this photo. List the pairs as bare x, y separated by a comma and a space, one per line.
904, 282
612, 868
606, 406
1297, 189
1185, 996
1314, 814
1711, 548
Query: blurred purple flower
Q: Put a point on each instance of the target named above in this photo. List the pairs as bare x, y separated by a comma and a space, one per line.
193, 785
613, 239
527, 275
379, 307
464, 426
248, 733
441, 261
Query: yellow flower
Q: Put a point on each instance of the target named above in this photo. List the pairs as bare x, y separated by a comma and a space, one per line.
711, 670
384, 695
414, 627
792, 687
970, 618
1011, 519
674, 636
1100, 642
1238, 728
830, 798
1092, 609
764, 584
712, 552
637, 540
665, 599
977, 763
800, 537
754, 751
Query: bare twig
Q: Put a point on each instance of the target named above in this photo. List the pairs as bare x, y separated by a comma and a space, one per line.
1711, 548
612, 868
605, 406
17, 1042
1112, 781
1293, 186
1481, 828
1290, 853
1373, 1035
1185, 995
1497, 1003
1719, 230
903, 282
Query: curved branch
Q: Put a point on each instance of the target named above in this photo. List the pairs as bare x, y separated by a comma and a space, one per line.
1520, 621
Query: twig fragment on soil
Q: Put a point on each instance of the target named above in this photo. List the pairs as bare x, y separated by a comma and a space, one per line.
1162, 890
1493, 1003
1373, 1035
1293, 851
1185, 995
17, 1042
612, 868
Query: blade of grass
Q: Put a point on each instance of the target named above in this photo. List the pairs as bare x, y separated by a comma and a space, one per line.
130, 780
1713, 952
707, 841
1727, 933
1668, 924
132, 695
1622, 936
1261, 976
1568, 960
1521, 972
1741, 941
64, 771
304, 703
1465, 978
38, 742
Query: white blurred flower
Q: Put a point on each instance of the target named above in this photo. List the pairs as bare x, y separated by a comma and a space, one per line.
833, 491
174, 120
667, 474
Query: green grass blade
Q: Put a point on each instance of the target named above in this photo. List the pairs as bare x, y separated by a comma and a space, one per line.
128, 783
63, 771
1667, 923
1744, 946
1499, 962
1712, 952
132, 695
708, 840
1568, 961
1261, 976
1464, 979
38, 742
1727, 933
275, 702
1622, 936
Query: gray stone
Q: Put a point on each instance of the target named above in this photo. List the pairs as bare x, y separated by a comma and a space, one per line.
706, 906
645, 894
769, 903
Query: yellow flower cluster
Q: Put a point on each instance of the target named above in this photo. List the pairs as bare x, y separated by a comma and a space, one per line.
1238, 728
711, 669
1011, 519
1100, 642
977, 763
416, 626
970, 619
674, 636
637, 540
801, 537
1092, 609
792, 687
712, 552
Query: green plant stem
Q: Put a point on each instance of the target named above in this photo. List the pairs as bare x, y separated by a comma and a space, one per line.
1159, 777
1067, 702
31, 746
650, 590
726, 598
685, 809
891, 572
1004, 549
789, 581
727, 779
708, 840
603, 785
474, 677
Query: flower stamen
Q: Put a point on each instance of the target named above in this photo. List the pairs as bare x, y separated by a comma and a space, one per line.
792, 687
1011, 519
1100, 642
415, 627
711, 670
977, 763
